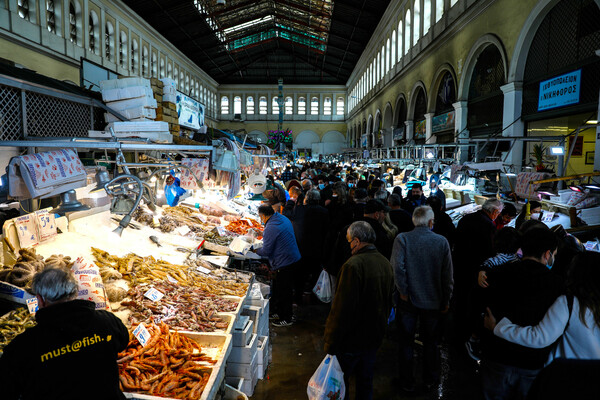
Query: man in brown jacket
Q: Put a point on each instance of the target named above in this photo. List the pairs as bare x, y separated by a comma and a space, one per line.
360, 309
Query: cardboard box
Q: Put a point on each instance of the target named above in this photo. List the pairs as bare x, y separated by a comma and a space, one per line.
156, 82
169, 104
244, 354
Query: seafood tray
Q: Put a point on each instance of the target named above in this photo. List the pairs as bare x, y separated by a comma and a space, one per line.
238, 310
216, 346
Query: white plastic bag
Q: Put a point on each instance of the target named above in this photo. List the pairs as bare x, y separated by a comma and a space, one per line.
323, 288
328, 381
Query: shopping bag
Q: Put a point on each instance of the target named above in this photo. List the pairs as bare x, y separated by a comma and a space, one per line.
327, 383
323, 288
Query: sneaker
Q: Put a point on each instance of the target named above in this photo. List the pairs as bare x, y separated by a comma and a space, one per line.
274, 316
473, 348
294, 319
282, 322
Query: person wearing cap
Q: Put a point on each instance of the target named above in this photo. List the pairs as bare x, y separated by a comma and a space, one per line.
422, 266
374, 214
415, 198
434, 185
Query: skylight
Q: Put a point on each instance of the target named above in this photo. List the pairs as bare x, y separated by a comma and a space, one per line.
249, 24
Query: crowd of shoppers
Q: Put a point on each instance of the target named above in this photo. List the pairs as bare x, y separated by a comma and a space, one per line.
367, 234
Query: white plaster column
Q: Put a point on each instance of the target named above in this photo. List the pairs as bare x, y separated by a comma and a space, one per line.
410, 130
460, 127
513, 102
429, 138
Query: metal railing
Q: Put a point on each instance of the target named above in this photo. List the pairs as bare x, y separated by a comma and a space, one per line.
29, 110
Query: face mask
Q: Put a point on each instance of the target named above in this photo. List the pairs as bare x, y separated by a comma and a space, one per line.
334, 195
351, 185
321, 186
536, 216
549, 265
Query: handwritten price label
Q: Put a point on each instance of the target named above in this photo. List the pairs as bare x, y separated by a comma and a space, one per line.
548, 216
154, 294
142, 334
203, 270
46, 225
221, 231
183, 230
171, 279
26, 230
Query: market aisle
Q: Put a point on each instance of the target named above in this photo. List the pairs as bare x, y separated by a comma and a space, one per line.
298, 350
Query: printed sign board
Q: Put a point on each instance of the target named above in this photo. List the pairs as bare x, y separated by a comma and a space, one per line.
190, 112
560, 91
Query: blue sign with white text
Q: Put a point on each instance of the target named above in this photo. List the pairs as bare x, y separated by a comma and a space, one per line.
560, 91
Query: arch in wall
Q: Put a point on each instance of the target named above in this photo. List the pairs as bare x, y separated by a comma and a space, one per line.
419, 85
397, 107
258, 136
388, 119
478, 47
333, 137
332, 142
437, 80
305, 139
516, 70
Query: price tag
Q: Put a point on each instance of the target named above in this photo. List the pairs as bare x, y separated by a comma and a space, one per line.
590, 246
141, 334
221, 231
547, 217
203, 270
46, 225
183, 230
220, 261
202, 218
171, 279
32, 305
27, 231
154, 294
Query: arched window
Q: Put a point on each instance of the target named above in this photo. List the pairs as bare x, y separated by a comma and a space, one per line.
197, 90
123, 49
416, 21
301, 106
289, 106
224, 105
380, 60
145, 61
327, 106
176, 76
153, 65
262, 105
23, 9
72, 23
109, 42
388, 60
400, 40
237, 105
340, 106
453, 2
250, 105
314, 106
50, 16
275, 105
162, 71
419, 115
134, 56
393, 57
181, 80
202, 94
426, 16
169, 71
407, 32
439, 9
93, 32
187, 84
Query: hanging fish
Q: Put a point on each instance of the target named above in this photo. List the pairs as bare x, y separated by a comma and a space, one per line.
155, 240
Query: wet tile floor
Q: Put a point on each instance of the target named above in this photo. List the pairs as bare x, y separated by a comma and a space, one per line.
298, 350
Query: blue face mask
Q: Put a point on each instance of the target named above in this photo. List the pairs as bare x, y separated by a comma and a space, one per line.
321, 186
550, 265
351, 185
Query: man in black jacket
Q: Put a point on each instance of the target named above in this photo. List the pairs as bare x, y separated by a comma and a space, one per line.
374, 214
521, 291
70, 354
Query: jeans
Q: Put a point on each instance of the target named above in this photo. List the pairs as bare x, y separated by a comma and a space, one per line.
429, 321
501, 381
283, 286
362, 365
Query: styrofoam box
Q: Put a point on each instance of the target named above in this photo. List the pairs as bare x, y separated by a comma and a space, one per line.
216, 346
565, 195
170, 90
263, 355
232, 393
138, 126
249, 385
132, 113
263, 328
126, 93
244, 370
244, 354
171, 98
241, 338
168, 82
234, 381
255, 316
123, 83
108, 118
143, 101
